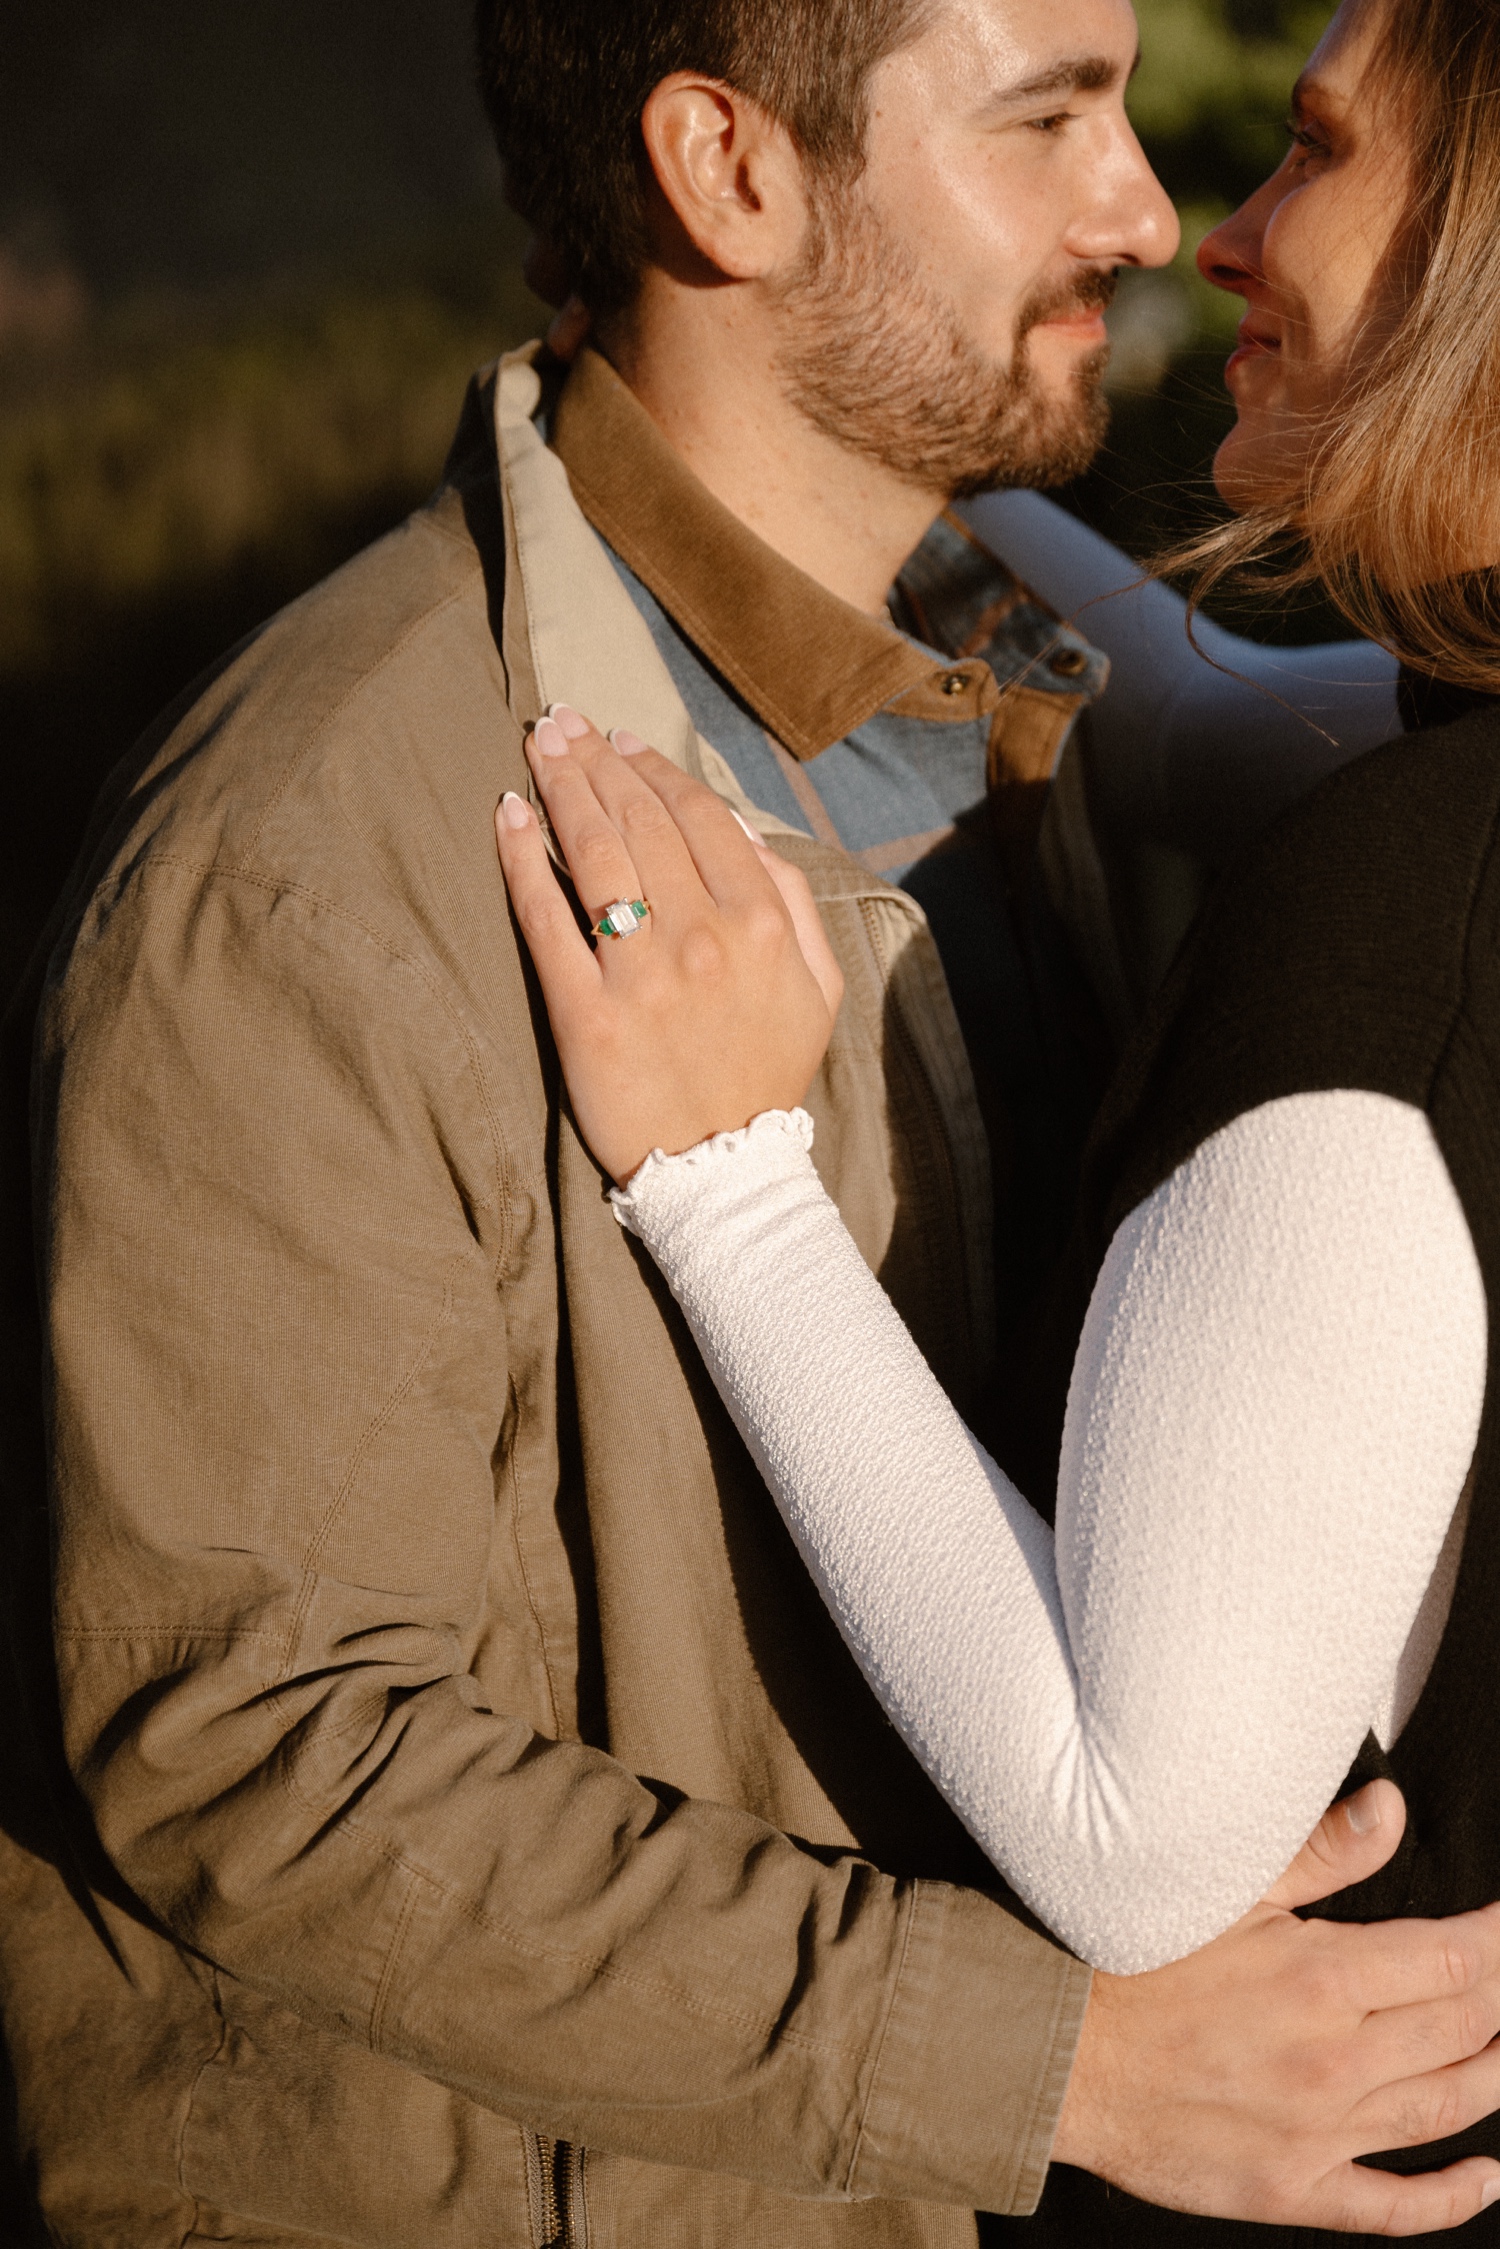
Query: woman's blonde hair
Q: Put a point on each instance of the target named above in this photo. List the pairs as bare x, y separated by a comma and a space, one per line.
1407, 475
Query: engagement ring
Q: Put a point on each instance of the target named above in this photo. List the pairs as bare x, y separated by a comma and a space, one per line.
623, 918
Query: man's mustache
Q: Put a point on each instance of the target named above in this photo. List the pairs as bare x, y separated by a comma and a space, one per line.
1086, 292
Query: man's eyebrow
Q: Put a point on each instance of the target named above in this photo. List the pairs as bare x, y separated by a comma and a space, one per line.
1080, 74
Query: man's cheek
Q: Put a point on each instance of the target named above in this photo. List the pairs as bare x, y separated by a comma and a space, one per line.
991, 307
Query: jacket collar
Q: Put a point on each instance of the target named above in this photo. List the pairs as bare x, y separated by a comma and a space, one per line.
569, 631
811, 667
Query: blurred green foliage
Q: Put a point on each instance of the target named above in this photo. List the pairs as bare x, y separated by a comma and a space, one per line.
1210, 98
169, 450
177, 472
1210, 103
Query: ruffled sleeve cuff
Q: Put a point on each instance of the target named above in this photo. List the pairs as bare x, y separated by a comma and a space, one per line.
773, 1150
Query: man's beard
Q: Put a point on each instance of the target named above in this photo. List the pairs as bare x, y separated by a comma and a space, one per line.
878, 360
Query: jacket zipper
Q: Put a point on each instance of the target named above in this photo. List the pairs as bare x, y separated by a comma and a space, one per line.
555, 2193
573, 2195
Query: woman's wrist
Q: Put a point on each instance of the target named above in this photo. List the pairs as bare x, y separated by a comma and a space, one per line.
774, 1146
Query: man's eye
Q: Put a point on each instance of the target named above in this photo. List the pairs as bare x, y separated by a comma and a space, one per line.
1052, 124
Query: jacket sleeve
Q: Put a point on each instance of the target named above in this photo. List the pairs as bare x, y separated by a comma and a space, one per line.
276, 1223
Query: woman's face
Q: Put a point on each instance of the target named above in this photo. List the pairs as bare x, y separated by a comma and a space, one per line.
1314, 254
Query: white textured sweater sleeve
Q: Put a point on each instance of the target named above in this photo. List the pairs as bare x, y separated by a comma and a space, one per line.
1274, 1404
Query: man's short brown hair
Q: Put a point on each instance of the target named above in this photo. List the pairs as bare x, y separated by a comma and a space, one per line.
565, 82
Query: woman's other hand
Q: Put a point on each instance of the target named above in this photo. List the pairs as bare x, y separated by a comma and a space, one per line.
720, 1005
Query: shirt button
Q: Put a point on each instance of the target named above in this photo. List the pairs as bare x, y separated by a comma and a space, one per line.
1068, 663
954, 683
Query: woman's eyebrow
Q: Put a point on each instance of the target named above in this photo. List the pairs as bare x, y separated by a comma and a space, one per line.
1310, 94
1080, 74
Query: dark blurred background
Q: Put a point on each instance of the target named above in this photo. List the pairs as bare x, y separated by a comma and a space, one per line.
249, 254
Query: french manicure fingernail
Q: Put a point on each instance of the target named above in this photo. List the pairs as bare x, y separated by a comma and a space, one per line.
628, 744
1490, 2194
572, 722
744, 823
550, 738
1363, 1812
514, 810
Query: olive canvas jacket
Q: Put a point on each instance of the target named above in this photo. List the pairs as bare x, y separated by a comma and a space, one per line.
473, 1831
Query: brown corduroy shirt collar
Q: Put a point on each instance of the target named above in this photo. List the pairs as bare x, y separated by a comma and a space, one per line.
811, 667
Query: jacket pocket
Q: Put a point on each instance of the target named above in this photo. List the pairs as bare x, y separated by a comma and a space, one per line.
555, 2193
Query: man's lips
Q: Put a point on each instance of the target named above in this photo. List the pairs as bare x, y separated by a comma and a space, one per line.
1084, 326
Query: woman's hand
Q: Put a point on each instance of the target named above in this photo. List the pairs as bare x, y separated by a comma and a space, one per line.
720, 1004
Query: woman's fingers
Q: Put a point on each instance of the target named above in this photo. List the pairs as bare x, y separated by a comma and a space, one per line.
651, 835
598, 860
712, 833
565, 961
798, 899
617, 837
688, 847
707, 1018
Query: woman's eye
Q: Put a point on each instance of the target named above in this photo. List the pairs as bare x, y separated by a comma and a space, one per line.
1303, 142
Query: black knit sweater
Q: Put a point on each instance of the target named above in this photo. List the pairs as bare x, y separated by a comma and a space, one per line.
1357, 945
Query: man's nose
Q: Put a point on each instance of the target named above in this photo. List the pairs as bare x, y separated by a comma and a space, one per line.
1138, 224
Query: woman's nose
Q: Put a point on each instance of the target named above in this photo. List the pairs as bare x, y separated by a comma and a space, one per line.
1228, 255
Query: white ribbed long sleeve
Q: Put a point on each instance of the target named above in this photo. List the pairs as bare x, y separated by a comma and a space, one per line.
1274, 1404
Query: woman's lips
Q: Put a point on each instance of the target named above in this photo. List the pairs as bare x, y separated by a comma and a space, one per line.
1254, 343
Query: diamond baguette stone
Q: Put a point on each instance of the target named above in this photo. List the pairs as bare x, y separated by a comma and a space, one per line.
622, 919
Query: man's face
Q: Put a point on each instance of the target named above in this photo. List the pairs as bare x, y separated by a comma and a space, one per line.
946, 317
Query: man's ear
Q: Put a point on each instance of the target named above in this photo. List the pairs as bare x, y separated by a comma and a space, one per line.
729, 175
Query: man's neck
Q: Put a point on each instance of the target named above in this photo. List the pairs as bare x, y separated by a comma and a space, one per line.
708, 379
